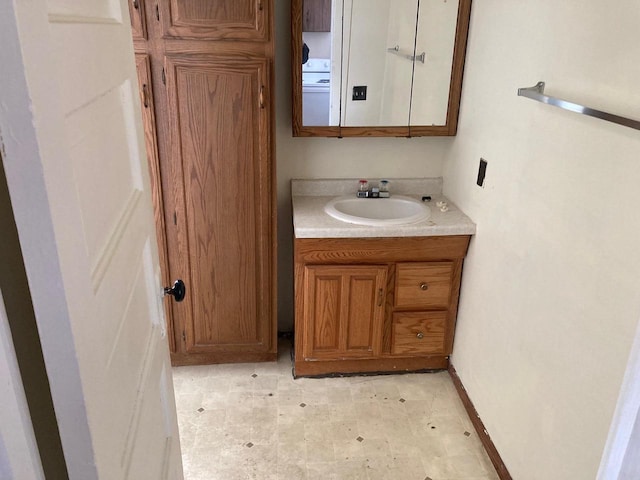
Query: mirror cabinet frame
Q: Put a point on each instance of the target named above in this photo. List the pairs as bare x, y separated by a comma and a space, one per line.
455, 88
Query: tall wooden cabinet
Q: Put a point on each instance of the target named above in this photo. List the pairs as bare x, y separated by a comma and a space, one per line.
206, 78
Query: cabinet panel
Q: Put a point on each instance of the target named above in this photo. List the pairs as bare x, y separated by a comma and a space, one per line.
316, 16
343, 311
326, 307
216, 20
419, 333
138, 22
220, 165
422, 285
364, 298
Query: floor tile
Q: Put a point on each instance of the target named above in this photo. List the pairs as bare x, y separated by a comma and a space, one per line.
254, 421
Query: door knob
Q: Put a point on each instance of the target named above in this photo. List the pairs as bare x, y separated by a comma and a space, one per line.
179, 290
424, 286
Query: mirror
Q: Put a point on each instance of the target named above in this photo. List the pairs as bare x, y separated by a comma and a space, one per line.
377, 67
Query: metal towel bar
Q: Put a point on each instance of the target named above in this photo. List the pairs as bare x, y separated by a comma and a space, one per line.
396, 51
537, 93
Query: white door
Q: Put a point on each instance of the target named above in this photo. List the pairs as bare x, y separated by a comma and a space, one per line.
73, 149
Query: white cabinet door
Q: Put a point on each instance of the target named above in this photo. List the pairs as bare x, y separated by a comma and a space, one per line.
74, 156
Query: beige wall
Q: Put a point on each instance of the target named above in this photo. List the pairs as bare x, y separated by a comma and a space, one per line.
330, 158
319, 44
550, 295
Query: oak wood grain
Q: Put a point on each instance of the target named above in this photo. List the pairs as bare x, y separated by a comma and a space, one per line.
343, 311
419, 333
452, 310
223, 32
221, 147
316, 16
408, 309
219, 20
377, 250
423, 285
138, 19
388, 310
296, 71
143, 68
370, 365
180, 359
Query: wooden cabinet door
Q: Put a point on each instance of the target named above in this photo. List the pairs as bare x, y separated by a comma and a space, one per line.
344, 311
316, 16
220, 207
216, 20
138, 23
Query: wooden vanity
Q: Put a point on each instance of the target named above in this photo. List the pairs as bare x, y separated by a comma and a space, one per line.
376, 304
375, 298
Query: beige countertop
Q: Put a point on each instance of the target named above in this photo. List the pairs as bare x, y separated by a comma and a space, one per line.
310, 221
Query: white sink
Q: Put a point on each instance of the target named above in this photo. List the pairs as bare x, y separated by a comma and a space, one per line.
397, 210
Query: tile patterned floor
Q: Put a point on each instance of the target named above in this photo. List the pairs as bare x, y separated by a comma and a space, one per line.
254, 421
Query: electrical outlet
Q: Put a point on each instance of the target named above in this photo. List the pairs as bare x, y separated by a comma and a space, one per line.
359, 93
482, 171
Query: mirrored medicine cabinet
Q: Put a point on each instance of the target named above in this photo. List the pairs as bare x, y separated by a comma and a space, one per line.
377, 67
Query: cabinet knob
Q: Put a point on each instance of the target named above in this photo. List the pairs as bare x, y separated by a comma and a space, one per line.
424, 286
420, 335
179, 290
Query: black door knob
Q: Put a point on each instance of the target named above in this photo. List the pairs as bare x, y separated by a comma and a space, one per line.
179, 290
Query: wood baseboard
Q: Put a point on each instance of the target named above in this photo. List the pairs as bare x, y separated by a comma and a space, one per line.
487, 443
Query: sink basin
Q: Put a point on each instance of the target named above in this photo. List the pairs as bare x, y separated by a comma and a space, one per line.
397, 210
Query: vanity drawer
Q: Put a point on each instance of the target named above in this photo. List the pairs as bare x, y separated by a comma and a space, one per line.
418, 333
423, 285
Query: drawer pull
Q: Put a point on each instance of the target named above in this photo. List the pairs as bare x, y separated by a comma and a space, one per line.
420, 335
424, 286
145, 95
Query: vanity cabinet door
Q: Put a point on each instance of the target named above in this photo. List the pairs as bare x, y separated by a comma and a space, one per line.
344, 311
